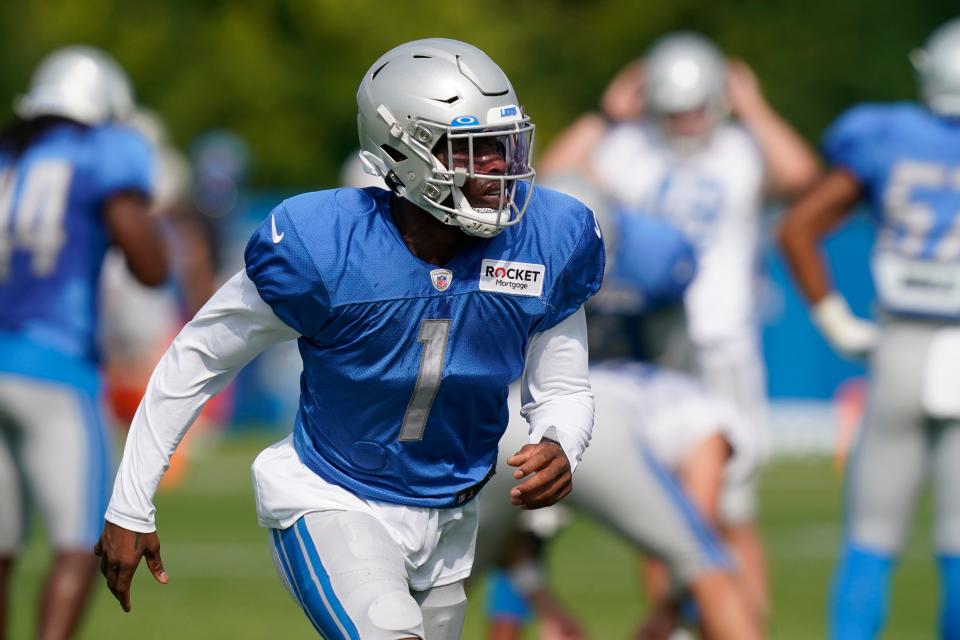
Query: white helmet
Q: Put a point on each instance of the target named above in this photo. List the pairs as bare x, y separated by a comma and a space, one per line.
685, 72
938, 65
428, 91
78, 82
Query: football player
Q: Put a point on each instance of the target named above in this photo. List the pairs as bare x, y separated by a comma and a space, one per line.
903, 161
671, 445
71, 184
414, 308
666, 144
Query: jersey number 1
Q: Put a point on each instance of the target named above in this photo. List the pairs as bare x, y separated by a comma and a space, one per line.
433, 337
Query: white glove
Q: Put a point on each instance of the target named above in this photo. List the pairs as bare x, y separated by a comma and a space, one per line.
851, 336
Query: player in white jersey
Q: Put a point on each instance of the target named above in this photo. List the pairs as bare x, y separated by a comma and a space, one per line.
666, 145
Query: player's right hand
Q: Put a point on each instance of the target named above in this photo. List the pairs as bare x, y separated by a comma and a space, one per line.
622, 100
746, 97
120, 551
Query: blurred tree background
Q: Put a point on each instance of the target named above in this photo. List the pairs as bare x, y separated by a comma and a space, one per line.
283, 73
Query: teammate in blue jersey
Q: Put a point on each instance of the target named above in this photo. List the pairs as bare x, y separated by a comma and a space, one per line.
903, 160
71, 184
414, 309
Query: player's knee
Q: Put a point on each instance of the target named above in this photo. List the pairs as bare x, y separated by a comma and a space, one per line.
738, 502
444, 610
396, 612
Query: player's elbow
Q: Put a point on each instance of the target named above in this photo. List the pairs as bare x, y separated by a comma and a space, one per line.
792, 231
139, 237
795, 241
799, 177
784, 232
152, 271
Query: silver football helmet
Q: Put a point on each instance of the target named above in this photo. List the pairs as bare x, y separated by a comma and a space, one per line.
938, 65
444, 96
686, 72
78, 82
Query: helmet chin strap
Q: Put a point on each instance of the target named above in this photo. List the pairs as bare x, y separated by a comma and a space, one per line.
473, 227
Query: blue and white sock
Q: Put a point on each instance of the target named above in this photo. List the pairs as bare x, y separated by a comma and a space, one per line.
504, 601
949, 596
861, 594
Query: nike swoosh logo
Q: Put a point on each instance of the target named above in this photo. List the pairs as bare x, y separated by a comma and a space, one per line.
277, 237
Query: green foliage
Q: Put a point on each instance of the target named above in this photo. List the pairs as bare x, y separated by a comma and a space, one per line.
283, 73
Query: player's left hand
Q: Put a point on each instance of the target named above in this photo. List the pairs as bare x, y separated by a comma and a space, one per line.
547, 472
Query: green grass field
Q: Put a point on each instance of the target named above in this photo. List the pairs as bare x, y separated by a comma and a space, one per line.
222, 582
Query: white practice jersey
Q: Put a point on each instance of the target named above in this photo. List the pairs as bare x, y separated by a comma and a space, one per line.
670, 413
714, 194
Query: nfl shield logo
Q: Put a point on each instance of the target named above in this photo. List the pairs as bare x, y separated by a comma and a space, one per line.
441, 279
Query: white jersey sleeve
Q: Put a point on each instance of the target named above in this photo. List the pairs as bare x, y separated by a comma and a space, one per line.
555, 391
230, 330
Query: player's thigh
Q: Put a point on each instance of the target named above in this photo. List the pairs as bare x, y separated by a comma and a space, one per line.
946, 481
739, 499
889, 463
348, 575
645, 504
734, 369
12, 504
64, 456
444, 610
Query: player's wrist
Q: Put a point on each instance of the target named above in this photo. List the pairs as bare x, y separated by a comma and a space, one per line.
130, 523
753, 109
844, 330
831, 312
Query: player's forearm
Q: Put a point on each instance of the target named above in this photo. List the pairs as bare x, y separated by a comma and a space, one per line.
179, 387
805, 225
792, 165
702, 475
556, 396
809, 268
571, 150
232, 328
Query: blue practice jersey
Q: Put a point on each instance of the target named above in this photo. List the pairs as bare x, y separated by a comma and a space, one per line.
52, 242
654, 259
907, 160
403, 396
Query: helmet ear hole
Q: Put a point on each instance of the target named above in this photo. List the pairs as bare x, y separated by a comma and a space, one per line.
395, 154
